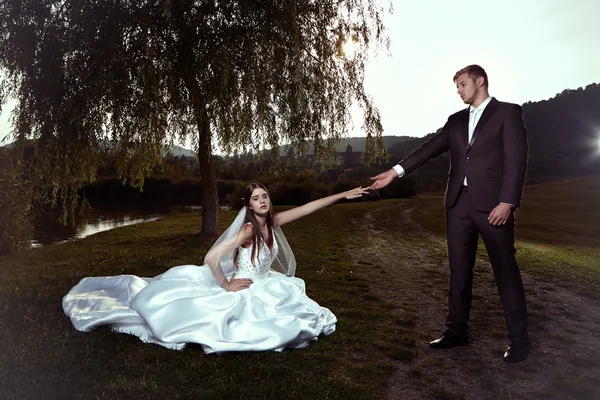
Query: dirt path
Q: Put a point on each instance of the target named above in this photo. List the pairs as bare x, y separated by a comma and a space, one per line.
407, 266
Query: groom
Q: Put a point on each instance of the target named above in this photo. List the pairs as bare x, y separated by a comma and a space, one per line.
488, 149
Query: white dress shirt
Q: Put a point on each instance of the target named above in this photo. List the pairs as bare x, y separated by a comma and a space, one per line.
474, 117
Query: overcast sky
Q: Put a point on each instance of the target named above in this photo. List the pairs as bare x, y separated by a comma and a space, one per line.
531, 50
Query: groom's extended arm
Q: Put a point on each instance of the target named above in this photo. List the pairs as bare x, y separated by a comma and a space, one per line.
436, 145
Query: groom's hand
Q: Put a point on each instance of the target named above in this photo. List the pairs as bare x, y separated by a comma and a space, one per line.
500, 214
383, 179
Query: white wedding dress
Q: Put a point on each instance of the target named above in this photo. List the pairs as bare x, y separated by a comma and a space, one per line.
186, 305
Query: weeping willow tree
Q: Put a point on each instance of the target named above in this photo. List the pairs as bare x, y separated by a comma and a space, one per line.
138, 74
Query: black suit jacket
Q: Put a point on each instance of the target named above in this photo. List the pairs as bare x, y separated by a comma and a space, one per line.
494, 161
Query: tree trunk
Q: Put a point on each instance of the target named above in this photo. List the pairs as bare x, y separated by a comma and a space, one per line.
210, 200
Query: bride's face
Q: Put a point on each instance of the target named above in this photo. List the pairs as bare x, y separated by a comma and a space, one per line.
260, 202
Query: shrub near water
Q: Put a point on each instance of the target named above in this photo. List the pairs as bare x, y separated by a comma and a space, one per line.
15, 210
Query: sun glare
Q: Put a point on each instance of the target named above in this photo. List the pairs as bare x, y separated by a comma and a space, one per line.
349, 47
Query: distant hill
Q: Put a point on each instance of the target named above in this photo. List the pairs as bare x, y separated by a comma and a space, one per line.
357, 144
176, 151
179, 151
564, 134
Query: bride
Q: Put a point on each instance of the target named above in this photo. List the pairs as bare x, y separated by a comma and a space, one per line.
244, 298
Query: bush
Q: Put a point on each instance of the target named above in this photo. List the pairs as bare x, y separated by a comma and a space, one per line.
16, 216
226, 189
187, 188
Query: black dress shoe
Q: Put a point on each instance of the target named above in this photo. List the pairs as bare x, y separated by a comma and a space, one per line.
516, 352
449, 340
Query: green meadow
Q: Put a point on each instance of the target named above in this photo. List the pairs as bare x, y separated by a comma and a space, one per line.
379, 266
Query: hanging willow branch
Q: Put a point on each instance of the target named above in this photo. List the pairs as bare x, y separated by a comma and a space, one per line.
243, 75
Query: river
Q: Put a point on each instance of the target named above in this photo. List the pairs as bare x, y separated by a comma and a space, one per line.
102, 218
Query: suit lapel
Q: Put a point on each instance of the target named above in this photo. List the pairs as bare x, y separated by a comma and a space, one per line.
487, 113
464, 127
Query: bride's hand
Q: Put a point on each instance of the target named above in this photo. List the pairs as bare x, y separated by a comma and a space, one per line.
238, 284
355, 193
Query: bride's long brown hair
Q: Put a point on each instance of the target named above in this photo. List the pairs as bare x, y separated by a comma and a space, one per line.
257, 238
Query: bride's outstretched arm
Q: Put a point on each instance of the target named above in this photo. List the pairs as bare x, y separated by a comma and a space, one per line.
214, 256
293, 214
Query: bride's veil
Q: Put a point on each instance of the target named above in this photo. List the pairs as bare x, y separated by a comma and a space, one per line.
226, 260
285, 262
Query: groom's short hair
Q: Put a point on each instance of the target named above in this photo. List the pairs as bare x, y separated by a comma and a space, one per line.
474, 71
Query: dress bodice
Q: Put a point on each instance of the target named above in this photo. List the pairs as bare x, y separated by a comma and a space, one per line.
262, 259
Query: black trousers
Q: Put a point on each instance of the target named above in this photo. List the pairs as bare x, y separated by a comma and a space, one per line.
464, 224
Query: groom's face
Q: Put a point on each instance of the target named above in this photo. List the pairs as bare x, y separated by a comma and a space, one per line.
467, 88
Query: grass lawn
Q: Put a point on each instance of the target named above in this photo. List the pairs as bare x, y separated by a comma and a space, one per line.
379, 348
43, 357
